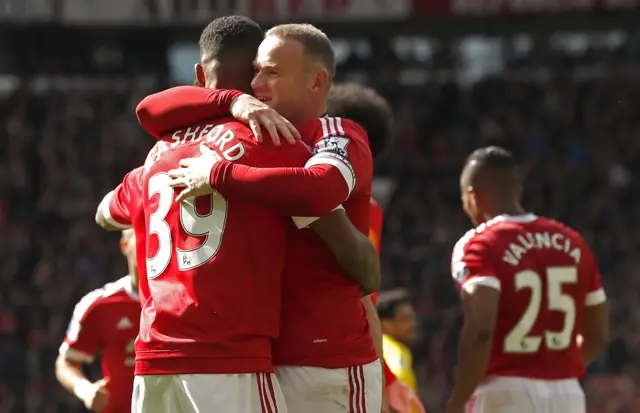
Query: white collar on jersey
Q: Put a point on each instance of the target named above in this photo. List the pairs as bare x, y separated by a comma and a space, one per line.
521, 219
128, 288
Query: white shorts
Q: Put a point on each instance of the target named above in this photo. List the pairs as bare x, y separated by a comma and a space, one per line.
355, 389
207, 393
520, 395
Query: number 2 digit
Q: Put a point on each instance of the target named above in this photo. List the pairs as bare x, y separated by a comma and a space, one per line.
519, 339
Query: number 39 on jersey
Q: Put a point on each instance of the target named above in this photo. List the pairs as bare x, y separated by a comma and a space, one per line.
209, 226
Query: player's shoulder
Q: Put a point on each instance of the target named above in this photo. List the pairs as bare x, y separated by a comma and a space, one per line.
479, 234
94, 300
552, 224
134, 177
246, 150
326, 127
337, 137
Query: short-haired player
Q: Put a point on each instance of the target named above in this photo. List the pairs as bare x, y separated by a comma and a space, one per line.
534, 307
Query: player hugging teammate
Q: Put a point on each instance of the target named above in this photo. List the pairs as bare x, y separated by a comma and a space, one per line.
213, 310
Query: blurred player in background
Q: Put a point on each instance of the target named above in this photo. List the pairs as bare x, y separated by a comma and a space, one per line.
398, 322
105, 320
530, 288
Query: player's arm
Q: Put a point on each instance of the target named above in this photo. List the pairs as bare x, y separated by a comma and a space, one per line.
594, 332
114, 211
327, 179
182, 106
353, 250
79, 346
480, 294
314, 190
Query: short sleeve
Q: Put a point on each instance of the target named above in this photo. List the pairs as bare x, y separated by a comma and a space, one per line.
344, 145
83, 335
118, 209
595, 291
471, 263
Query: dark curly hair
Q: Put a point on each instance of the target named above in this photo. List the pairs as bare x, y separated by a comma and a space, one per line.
367, 108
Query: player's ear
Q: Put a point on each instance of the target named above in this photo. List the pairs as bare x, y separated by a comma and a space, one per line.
200, 80
321, 81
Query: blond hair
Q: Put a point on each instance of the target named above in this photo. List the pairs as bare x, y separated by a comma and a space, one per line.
314, 42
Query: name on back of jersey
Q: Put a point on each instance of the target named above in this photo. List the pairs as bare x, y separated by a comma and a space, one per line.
539, 240
219, 136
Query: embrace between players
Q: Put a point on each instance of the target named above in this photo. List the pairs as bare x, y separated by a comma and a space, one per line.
262, 261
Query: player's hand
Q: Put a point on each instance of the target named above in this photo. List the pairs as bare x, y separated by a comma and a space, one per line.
97, 396
403, 399
193, 174
257, 115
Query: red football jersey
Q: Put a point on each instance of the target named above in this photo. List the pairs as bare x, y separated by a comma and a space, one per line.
124, 210
323, 321
214, 265
107, 320
546, 276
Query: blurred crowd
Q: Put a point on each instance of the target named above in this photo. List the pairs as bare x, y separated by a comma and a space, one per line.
578, 140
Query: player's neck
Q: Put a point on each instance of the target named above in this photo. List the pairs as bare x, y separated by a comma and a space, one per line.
314, 112
507, 209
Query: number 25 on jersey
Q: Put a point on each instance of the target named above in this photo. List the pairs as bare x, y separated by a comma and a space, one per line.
210, 226
519, 339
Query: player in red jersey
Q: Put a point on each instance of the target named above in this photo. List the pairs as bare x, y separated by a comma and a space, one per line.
530, 289
105, 320
319, 356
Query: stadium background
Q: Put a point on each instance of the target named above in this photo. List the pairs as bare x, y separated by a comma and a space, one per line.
554, 80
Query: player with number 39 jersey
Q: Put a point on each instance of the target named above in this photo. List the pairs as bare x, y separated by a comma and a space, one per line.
213, 310
534, 305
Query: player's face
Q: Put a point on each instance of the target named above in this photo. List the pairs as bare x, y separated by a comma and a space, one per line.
404, 324
282, 80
